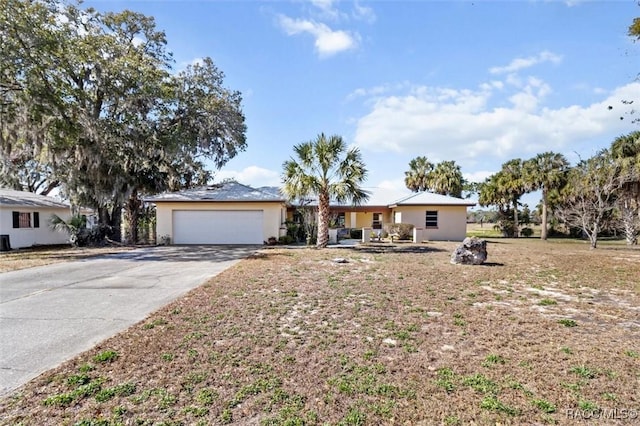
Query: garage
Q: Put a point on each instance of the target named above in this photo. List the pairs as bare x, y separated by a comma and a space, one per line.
218, 226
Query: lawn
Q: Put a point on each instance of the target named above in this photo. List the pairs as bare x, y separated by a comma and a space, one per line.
45, 255
546, 333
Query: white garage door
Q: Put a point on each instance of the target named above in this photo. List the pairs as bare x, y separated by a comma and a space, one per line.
217, 227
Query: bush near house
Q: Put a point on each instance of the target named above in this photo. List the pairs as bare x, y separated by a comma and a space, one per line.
401, 231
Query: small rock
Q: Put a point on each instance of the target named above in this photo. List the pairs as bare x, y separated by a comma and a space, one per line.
472, 251
340, 260
389, 342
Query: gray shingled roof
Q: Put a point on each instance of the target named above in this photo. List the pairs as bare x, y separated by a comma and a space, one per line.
431, 199
10, 197
225, 192
379, 197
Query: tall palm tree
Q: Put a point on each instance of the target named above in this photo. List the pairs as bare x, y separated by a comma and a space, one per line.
418, 178
545, 171
447, 179
511, 183
326, 169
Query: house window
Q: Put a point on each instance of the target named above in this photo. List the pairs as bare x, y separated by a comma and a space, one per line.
23, 220
340, 221
377, 221
431, 219
397, 217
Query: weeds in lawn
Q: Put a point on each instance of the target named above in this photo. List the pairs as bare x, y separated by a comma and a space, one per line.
446, 379
587, 406
584, 372
567, 322
544, 405
491, 402
106, 357
155, 323
493, 359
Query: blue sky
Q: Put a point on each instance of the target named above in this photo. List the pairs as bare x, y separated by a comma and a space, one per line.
478, 82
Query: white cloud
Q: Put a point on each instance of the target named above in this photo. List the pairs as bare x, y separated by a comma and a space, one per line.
478, 176
376, 90
363, 13
327, 9
253, 176
522, 63
327, 41
473, 127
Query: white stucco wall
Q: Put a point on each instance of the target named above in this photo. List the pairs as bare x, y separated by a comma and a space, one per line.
28, 237
274, 214
452, 221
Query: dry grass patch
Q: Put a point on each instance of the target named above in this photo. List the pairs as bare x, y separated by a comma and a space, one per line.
394, 336
45, 255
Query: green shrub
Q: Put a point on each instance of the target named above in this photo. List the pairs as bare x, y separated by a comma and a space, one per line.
526, 232
285, 239
355, 234
401, 231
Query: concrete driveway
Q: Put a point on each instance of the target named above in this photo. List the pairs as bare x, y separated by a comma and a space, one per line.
51, 313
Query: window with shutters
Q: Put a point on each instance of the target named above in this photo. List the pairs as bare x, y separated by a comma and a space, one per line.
26, 220
431, 219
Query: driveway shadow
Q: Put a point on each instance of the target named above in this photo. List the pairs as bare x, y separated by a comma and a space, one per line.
392, 249
187, 253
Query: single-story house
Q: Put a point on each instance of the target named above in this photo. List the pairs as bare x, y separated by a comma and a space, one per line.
227, 213
439, 217
24, 219
232, 213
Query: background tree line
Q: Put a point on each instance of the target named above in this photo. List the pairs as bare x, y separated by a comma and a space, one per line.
599, 194
90, 106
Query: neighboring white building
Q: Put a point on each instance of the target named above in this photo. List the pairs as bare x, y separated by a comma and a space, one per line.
24, 219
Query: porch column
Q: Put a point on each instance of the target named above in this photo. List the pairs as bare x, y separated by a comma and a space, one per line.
353, 220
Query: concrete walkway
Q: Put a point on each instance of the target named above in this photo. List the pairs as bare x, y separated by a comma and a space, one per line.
51, 313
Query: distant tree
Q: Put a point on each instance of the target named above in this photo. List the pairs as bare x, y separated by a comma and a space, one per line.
446, 179
545, 172
490, 194
418, 177
588, 199
326, 169
634, 28
503, 190
625, 151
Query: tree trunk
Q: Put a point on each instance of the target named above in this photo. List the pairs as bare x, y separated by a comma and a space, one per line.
543, 232
628, 212
132, 210
516, 226
323, 220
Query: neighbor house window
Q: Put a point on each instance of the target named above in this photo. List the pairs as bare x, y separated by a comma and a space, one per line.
431, 219
26, 220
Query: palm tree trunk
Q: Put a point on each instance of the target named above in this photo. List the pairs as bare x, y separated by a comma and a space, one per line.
516, 226
543, 232
323, 220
